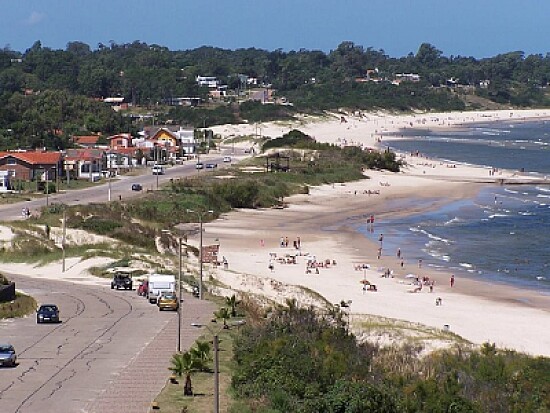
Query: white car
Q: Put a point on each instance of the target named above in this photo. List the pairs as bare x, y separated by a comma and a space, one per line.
227, 158
158, 170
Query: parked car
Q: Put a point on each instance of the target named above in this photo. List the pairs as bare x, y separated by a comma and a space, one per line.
158, 170
227, 158
199, 165
168, 301
121, 280
7, 355
137, 187
211, 165
47, 313
143, 288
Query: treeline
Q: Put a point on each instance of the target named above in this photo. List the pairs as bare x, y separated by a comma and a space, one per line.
294, 360
149, 75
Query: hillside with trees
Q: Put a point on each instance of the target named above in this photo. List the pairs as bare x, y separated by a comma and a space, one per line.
47, 95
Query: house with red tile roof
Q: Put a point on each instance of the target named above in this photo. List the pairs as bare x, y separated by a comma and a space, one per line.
89, 141
32, 165
86, 163
122, 140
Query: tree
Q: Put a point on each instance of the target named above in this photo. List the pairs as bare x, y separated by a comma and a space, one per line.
202, 354
232, 303
223, 314
185, 363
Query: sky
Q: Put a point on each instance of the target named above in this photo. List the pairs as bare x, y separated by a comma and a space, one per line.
478, 28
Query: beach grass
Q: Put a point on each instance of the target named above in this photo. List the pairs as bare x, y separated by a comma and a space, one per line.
22, 305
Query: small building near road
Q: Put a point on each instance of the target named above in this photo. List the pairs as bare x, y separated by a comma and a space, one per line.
31, 166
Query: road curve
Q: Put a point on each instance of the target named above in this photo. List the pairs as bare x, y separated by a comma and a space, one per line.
74, 366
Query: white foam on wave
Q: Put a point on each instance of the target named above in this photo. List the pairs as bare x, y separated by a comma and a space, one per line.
511, 191
541, 189
498, 216
543, 196
526, 214
466, 265
453, 221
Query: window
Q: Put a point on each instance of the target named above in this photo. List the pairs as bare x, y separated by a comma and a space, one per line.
11, 161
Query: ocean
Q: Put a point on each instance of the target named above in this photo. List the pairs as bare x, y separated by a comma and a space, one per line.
501, 235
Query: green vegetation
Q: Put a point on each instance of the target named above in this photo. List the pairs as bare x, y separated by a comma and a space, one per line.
295, 360
47, 95
22, 305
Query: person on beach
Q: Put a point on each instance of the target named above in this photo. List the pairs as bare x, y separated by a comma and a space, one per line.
452, 280
398, 252
262, 243
420, 263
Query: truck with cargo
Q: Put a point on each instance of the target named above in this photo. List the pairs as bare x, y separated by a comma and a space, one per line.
158, 284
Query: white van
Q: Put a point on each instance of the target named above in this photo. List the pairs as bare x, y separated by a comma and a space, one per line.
158, 284
158, 170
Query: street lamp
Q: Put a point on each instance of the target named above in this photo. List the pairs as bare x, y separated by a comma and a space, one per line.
216, 364
46, 174
216, 360
47, 188
109, 159
200, 215
179, 293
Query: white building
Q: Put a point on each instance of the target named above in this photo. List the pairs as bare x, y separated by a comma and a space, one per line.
209, 81
4, 181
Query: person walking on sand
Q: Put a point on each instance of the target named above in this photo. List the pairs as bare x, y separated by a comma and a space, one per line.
452, 280
398, 252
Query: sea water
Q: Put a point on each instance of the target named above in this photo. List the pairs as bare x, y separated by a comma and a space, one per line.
503, 233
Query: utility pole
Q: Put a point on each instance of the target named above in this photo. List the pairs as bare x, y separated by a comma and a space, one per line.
47, 188
109, 172
179, 294
216, 375
200, 258
64, 238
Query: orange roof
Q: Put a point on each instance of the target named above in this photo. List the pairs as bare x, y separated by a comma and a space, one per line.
86, 140
83, 154
44, 158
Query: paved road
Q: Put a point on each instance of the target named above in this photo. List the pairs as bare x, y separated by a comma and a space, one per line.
120, 187
112, 349
109, 354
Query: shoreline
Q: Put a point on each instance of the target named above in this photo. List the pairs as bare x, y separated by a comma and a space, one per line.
477, 310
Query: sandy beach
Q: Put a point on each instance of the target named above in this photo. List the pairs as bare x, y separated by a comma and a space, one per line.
322, 223
323, 220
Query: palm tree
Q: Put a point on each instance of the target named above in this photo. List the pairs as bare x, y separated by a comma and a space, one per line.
184, 363
202, 354
232, 303
224, 314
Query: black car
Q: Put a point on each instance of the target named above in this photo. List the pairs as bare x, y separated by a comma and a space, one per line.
122, 280
47, 313
211, 165
136, 187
